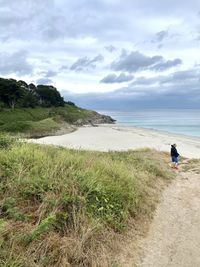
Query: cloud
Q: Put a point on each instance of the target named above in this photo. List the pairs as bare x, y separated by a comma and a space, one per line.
160, 36
15, 63
113, 78
49, 73
166, 65
136, 61
110, 48
44, 81
86, 63
178, 78
54, 36
169, 91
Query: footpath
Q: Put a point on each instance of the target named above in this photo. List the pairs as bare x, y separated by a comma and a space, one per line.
173, 239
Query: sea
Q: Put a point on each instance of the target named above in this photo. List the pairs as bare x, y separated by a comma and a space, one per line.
179, 121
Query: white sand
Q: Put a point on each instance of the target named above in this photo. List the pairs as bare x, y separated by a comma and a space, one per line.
116, 138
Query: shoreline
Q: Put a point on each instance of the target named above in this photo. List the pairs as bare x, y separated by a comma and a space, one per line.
159, 131
112, 137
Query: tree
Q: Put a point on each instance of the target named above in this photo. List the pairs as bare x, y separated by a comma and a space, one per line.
18, 93
10, 92
49, 96
70, 103
23, 84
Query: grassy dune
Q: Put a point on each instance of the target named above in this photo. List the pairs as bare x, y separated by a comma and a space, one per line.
38, 122
62, 207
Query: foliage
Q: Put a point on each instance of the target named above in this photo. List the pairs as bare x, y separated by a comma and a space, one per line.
70, 103
36, 122
19, 94
49, 96
6, 141
59, 206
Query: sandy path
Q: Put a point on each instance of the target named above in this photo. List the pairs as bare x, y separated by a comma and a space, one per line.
174, 236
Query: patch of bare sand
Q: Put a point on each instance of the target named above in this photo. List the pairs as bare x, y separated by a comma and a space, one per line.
117, 138
173, 239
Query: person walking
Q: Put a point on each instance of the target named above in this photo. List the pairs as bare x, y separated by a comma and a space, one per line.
174, 156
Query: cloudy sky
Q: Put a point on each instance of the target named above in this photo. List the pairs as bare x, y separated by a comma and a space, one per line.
105, 53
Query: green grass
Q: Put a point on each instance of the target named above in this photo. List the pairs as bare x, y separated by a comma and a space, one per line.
61, 206
38, 122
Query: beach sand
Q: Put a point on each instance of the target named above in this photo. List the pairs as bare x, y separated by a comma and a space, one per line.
118, 138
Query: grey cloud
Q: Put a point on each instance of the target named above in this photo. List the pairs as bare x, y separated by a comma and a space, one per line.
178, 78
136, 61
64, 30
164, 92
132, 98
166, 65
29, 20
185, 78
64, 67
44, 81
15, 63
113, 78
160, 36
160, 46
86, 63
186, 74
47, 19
143, 81
110, 48
50, 20
49, 73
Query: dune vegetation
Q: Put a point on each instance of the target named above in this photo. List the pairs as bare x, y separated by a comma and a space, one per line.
61, 207
41, 121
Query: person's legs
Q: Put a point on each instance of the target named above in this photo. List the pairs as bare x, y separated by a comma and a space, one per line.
174, 162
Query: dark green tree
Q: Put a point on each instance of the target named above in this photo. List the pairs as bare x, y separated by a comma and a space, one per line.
49, 96
10, 92
19, 94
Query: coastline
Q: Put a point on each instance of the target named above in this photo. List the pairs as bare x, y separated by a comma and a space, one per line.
159, 131
114, 137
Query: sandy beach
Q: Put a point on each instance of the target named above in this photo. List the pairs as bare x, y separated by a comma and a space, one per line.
118, 138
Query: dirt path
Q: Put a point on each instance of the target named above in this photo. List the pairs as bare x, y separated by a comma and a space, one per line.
173, 239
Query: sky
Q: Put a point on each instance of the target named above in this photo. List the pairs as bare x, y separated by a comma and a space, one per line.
105, 53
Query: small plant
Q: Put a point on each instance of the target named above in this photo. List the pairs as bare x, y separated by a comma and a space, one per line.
45, 225
10, 211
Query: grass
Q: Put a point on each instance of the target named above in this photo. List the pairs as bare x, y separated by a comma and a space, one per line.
38, 122
61, 207
192, 165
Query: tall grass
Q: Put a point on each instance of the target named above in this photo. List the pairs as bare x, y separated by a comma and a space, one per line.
59, 207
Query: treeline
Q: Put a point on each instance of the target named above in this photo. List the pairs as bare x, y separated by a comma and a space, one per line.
15, 93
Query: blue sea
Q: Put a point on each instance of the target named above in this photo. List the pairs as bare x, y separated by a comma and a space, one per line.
179, 121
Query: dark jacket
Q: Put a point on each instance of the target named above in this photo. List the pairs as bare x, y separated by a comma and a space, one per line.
174, 152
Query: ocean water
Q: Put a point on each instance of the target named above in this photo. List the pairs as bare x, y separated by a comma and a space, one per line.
181, 121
